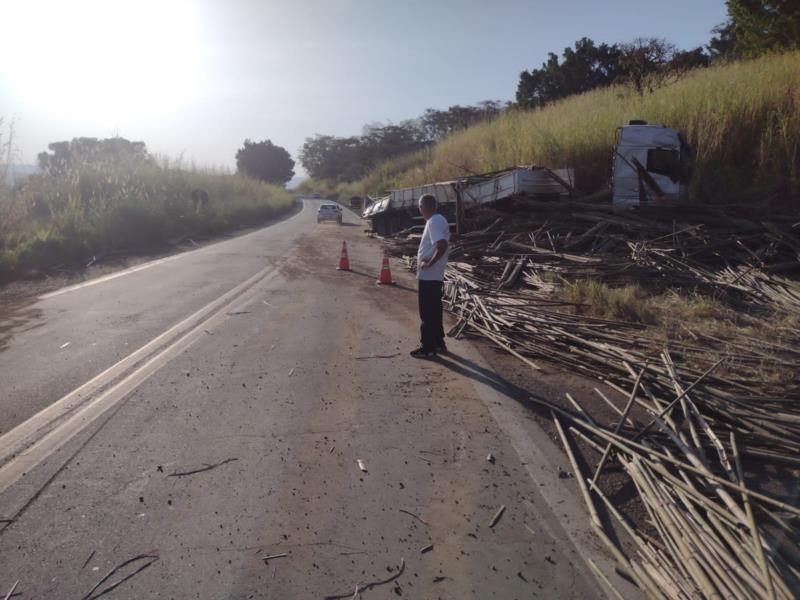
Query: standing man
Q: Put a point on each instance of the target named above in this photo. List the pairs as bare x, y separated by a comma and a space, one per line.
431, 263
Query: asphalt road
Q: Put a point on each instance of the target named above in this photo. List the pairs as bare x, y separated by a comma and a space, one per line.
174, 425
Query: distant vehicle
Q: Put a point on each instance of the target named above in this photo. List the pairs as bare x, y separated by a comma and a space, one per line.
329, 212
356, 203
651, 164
315, 195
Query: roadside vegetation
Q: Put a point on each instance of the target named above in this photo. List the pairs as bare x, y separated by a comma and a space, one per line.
116, 199
683, 315
742, 120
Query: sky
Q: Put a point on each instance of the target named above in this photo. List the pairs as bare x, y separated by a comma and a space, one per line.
195, 78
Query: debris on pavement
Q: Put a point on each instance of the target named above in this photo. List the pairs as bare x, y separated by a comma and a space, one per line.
11, 591
497, 516
361, 466
271, 556
417, 517
202, 469
364, 587
86, 562
425, 549
490, 458
145, 559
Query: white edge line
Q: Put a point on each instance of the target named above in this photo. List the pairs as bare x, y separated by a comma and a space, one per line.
147, 265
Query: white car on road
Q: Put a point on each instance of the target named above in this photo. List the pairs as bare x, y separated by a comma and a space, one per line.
329, 212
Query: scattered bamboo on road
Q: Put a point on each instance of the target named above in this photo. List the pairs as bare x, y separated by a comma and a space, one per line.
700, 416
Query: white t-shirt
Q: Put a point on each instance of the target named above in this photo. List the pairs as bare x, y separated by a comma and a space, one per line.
436, 228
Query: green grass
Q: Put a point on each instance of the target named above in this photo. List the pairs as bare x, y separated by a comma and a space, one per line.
50, 222
742, 120
629, 303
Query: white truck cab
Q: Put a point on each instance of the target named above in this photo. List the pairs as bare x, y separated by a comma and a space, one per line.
651, 166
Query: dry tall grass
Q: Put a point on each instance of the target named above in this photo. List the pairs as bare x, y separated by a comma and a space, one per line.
50, 221
742, 120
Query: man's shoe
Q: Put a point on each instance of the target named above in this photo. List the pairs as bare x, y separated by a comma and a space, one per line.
422, 353
441, 349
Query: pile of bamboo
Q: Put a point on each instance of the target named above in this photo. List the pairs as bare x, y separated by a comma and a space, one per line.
680, 438
711, 446
741, 257
712, 535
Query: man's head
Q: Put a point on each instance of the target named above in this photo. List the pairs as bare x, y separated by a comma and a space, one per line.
427, 205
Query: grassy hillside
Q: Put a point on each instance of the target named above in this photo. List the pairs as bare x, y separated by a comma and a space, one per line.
742, 120
49, 222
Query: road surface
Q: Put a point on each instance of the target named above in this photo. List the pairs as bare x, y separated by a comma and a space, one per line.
177, 424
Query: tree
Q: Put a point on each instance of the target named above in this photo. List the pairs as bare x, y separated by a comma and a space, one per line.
645, 62
329, 157
265, 161
584, 67
722, 44
686, 60
759, 26
64, 156
436, 124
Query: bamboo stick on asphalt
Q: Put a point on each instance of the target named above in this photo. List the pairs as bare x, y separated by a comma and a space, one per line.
578, 476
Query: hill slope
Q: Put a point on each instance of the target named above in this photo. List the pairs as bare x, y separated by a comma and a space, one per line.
742, 120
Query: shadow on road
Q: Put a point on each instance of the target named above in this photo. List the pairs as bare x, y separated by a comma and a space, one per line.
17, 318
470, 369
475, 372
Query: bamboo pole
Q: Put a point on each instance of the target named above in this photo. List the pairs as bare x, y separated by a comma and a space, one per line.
617, 429
762, 561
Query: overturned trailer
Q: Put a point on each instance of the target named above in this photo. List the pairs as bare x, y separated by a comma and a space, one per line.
651, 165
398, 210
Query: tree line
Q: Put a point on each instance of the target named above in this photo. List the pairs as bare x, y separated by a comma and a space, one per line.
754, 27
259, 160
351, 158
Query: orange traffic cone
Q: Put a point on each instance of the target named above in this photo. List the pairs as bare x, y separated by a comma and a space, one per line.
344, 262
385, 277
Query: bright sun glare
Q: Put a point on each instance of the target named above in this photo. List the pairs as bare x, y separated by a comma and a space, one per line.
101, 58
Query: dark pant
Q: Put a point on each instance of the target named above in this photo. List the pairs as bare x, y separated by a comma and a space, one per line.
430, 314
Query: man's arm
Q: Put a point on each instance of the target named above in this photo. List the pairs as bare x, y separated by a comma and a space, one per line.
439, 251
